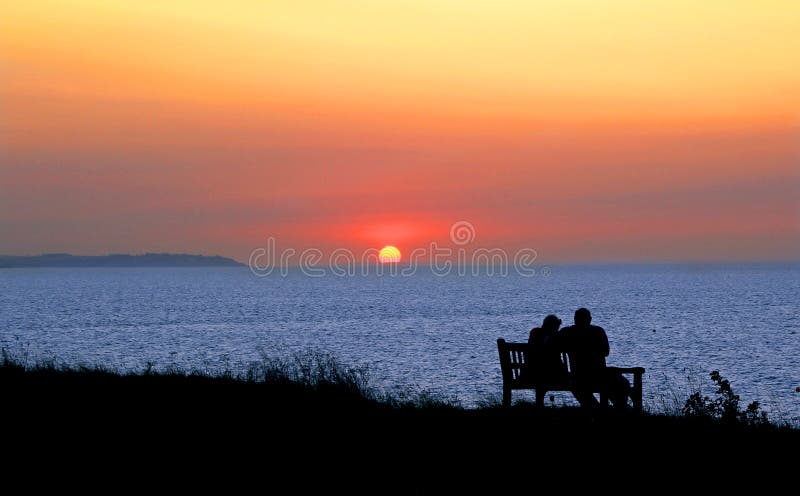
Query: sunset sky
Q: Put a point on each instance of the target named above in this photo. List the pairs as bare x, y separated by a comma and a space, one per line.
590, 131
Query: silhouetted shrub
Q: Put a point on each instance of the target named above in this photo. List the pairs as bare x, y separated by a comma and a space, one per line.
724, 407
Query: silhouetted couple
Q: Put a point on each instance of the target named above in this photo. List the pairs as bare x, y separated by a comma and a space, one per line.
587, 348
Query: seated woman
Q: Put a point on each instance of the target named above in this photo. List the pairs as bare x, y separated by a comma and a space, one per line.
544, 357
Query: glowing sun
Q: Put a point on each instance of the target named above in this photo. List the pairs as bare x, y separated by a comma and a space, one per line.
389, 254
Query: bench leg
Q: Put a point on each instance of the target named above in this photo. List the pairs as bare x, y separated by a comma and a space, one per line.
506, 397
636, 394
603, 399
540, 397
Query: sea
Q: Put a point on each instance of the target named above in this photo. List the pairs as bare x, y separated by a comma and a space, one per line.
423, 332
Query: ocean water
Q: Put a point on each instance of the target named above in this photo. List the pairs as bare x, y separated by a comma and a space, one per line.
423, 331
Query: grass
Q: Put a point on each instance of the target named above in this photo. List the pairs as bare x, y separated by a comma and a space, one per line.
314, 411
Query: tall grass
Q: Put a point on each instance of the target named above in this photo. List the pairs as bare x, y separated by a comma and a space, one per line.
310, 370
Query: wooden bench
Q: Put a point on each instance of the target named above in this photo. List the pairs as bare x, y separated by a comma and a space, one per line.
514, 358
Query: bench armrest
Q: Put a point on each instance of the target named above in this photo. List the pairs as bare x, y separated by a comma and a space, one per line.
627, 370
636, 390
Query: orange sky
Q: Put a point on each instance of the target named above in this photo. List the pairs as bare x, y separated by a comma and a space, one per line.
590, 131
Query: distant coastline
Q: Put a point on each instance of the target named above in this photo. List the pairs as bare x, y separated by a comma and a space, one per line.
116, 260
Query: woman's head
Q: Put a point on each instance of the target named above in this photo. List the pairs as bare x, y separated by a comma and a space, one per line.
551, 322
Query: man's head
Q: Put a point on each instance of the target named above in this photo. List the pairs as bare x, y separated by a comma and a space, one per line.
551, 322
583, 317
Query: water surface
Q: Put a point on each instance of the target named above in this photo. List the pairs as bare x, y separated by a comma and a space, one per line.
421, 331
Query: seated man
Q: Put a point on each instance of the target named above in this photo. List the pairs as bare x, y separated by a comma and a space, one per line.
587, 347
544, 359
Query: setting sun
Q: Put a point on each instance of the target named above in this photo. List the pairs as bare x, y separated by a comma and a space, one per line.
389, 254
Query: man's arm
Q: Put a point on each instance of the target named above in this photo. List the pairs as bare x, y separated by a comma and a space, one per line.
606, 347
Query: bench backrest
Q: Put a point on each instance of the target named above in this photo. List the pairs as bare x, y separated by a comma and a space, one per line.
514, 358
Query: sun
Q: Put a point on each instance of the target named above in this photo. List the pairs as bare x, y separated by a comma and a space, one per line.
389, 254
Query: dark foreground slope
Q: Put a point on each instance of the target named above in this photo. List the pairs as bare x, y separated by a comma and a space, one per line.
138, 425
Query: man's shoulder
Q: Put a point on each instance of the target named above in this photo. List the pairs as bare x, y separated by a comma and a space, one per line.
597, 329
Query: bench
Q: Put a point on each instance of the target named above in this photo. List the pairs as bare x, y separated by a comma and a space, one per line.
514, 358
